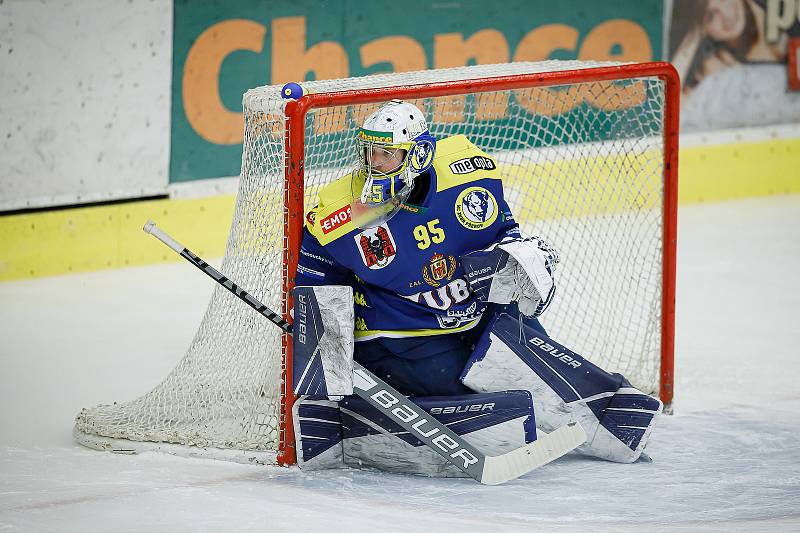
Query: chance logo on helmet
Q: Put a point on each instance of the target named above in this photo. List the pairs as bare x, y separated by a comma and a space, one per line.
374, 136
476, 208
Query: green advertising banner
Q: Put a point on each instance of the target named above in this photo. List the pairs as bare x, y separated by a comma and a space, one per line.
223, 48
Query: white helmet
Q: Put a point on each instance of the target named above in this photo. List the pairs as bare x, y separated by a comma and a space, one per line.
394, 147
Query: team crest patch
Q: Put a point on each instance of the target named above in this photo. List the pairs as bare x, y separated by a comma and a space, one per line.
476, 208
439, 268
422, 156
376, 246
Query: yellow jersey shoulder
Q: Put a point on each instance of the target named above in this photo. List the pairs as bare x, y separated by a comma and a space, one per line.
458, 162
330, 218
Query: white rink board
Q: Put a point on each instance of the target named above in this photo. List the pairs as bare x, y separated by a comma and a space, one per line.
85, 102
727, 461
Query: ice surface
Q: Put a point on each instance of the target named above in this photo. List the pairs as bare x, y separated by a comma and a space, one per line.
728, 460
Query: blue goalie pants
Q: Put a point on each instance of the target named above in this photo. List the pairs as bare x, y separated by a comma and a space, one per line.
432, 365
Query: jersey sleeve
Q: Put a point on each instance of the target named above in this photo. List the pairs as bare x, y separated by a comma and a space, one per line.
508, 227
509, 230
316, 266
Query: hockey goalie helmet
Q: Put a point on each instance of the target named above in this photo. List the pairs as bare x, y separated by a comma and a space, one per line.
394, 148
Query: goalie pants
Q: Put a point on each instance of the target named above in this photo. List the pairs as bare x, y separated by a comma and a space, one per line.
432, 365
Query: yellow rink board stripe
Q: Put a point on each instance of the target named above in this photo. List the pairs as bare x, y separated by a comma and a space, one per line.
594, 186
729, 171
95, 238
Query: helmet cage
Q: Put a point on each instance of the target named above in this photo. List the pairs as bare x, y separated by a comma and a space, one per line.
394, 147
417, 157
379, 194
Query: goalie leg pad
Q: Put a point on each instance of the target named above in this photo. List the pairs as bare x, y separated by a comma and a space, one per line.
318, 433
494, 423
322, 341
617, 418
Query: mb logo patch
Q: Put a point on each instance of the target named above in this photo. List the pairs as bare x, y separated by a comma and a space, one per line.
476, 208
376, 246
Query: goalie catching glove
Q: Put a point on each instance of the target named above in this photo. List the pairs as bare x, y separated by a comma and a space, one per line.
514, 270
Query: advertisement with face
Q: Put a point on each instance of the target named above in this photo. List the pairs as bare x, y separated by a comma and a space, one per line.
732, 59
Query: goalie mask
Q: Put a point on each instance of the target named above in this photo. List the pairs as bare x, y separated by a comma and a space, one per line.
394, 147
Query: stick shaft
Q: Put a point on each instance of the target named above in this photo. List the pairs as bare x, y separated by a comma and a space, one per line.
217, 276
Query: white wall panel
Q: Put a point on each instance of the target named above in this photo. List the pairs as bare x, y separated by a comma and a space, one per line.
84, 100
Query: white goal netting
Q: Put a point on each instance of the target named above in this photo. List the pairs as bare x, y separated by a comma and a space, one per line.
583, 166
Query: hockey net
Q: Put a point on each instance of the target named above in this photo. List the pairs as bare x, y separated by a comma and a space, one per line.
588, 154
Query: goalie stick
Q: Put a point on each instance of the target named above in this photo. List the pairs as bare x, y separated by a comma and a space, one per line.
488, 470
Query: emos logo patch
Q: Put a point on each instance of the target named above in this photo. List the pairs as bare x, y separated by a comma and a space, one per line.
335, 220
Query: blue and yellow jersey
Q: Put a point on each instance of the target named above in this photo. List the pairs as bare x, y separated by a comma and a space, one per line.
405, 273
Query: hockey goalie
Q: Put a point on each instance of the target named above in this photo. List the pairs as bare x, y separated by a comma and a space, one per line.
446, 299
